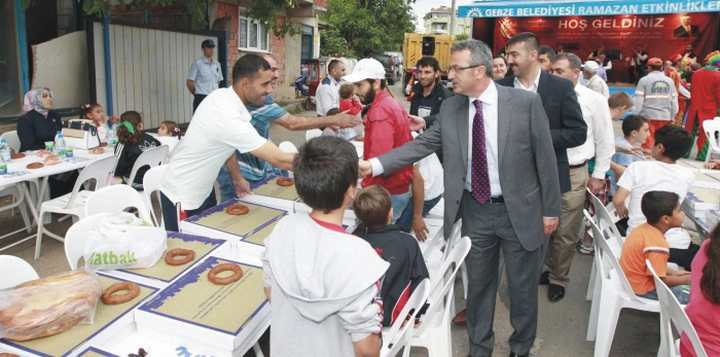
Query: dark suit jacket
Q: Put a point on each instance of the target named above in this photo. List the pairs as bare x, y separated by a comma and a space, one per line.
526, 162
682, 33
567, 126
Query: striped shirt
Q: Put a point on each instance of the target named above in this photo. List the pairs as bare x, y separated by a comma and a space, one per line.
644, 242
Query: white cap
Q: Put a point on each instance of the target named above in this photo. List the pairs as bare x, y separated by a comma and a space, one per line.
591, 66
366, 68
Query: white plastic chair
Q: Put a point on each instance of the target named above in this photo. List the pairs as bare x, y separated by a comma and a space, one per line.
151, 157
74, 203
15, 271
312, 133
18, 201
288, 147
116, 199
75, 240
612, 294
11, 137
673, 314
152, 181
397, 336
712, 129
605, 221
434, 332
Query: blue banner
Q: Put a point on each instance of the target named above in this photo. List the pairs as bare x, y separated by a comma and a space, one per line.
584, 8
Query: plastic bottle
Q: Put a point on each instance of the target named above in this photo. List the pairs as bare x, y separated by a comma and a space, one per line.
4, 151
59, 142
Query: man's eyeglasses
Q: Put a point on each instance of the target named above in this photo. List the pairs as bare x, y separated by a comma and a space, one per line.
458, 69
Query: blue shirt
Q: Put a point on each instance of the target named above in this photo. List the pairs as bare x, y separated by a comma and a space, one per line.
207, 74
254, 169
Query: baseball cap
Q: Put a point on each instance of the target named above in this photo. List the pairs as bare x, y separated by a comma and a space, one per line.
591, 65
655, 62
366, 68
208, 44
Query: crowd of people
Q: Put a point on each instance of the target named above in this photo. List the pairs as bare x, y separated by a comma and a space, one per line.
513, 147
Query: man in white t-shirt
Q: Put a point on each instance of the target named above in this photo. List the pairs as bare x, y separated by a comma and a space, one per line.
661, 174
220, 125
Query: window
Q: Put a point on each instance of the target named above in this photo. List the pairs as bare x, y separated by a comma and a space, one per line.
252, 35
306, 46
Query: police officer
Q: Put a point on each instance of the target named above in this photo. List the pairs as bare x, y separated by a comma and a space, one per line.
205, 74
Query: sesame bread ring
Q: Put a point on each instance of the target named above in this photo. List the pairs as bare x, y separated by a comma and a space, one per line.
214, 274
285, 182
179, 256
109, 298
35, 165
237, 210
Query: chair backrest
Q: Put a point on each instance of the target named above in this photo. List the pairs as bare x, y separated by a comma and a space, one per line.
151, 157
441, 291
152, 181
671, 312
288, 147
116, 199
454, 239
15, 271
610, 261
605, 222
711, 129
101, 171
11, 137
312, 133
398, 337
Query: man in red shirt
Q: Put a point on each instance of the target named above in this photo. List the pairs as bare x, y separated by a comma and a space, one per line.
705, 99
387, 126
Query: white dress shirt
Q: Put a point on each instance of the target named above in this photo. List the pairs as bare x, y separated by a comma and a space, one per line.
327, 96
598, 84
489, 99
600, 143
533, 86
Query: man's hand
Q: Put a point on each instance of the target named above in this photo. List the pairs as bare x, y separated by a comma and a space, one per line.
365, 168
345, 120
596, 185
416, 123
242, 187
420, 229
550, 224
621, 211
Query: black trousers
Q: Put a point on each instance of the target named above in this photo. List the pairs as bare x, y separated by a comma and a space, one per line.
197, 99
169, 211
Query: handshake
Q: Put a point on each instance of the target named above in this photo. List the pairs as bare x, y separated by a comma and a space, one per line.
365, 168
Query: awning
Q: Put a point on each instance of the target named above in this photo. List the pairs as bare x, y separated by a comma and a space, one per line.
532, 8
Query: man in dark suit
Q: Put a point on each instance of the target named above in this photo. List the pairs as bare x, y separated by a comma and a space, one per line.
501, 179
558, 96
686, 28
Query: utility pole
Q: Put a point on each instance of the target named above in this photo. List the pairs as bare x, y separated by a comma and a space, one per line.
453, 11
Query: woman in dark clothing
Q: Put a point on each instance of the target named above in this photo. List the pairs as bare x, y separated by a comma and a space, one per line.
132, 141
39, 124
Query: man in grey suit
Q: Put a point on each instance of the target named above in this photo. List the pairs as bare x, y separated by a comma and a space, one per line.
501, 178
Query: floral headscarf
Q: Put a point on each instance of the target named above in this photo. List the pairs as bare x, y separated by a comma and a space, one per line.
33, 101
713, 59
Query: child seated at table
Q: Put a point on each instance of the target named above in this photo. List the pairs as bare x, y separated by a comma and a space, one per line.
323, 283
132, 141
103, 124
647, 242
407, 267
628, 147
619, 104
169, 134
660, 174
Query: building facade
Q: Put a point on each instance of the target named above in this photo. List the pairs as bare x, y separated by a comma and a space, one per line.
438, 21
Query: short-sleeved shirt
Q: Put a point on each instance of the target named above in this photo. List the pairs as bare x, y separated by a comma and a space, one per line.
644, 243
207, 74
254, 169
220, 126
327, 96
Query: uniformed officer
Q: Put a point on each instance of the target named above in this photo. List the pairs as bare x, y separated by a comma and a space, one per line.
205, 74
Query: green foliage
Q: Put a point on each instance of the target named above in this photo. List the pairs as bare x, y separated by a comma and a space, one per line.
360, 27
267, 12
461, 37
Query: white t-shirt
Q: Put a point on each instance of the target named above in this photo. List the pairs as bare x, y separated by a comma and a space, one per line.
643, 176
432, 173
221, 125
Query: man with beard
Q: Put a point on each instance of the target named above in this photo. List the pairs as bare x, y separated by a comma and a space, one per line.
428, 93
387, 126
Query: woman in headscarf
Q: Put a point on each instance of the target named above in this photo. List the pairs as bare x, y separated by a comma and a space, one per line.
39, 124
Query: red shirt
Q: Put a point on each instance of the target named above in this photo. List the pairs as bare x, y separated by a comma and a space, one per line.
387, 126
705, 96
351, 105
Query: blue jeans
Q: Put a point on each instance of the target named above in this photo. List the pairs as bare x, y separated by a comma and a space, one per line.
405, 220
399, 202
169, 211
681, 292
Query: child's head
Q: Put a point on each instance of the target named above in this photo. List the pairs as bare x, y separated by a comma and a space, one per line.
619, 103
168, 128
373, 207
95, 113
332, 111
671, 142
635, 128
710, 281
326, 173
130, 128
347, 90
662, 208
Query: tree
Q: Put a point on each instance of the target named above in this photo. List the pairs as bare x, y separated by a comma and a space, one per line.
360, 27
461, 37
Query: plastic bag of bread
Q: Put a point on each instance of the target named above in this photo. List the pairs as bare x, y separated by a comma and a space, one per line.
48, 306
122, 241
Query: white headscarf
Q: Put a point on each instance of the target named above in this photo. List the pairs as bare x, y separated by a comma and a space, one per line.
33, 101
